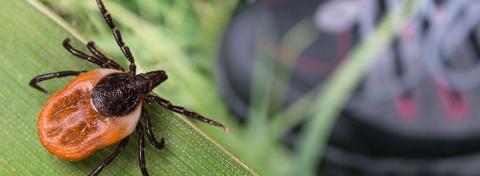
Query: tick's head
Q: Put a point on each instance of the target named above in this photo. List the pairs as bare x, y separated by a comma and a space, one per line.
150, 80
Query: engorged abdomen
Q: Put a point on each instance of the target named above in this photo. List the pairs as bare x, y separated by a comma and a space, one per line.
69, 126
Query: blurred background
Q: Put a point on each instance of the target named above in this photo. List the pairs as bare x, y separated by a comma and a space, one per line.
315, 87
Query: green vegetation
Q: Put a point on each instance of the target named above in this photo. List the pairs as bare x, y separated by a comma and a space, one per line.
181, 37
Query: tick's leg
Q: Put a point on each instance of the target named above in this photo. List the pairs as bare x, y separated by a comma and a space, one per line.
150, 135
48, 76
82, 55
141, 149
110, 158
117, 36
102, 57
182, 110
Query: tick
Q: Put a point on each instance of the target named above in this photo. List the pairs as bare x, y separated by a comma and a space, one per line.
103, 106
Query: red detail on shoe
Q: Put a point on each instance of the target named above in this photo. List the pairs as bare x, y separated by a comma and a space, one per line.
406, 106
456, 106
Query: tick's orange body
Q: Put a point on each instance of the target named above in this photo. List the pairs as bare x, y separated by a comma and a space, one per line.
70, 127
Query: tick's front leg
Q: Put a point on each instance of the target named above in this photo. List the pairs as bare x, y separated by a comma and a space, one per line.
150, 135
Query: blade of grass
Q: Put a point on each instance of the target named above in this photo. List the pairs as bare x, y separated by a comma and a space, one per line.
340, 85
275, 78
270, 85
30, 44
291, 47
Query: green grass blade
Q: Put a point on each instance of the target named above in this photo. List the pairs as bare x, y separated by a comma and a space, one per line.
30, 44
